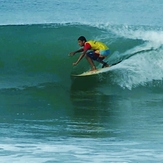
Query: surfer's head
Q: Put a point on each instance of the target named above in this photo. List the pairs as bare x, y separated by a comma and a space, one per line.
81, 40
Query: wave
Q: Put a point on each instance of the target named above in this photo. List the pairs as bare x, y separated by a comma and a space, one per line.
42, 50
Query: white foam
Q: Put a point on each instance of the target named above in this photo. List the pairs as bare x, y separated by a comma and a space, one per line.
79, 150
139, 70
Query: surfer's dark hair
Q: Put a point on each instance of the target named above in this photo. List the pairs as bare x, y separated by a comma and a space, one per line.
82, 38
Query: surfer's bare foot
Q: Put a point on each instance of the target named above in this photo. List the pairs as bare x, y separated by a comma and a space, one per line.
105, 65
93, 69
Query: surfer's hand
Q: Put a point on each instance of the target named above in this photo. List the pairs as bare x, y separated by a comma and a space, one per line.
72, 53
75, 63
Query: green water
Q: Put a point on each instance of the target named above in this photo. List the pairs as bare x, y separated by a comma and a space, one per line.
46, 115
51, 124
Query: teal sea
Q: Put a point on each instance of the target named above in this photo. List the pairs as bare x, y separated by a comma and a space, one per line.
47, 116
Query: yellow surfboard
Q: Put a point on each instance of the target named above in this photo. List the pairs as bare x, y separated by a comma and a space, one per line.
89, 73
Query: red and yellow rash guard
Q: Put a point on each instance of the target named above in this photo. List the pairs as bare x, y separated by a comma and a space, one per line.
95, 45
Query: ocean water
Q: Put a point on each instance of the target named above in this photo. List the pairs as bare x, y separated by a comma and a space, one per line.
47, 116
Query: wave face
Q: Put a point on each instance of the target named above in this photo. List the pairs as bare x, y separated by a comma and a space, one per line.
34, 54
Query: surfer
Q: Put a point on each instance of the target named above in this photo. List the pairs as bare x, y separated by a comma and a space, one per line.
93, 50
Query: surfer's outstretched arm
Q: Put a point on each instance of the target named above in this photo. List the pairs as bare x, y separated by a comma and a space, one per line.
80, 58
77, 51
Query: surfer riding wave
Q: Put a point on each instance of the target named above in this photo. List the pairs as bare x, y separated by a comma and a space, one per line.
93, 50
